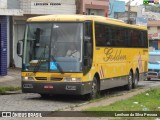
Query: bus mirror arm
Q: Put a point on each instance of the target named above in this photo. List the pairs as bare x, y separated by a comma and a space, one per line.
89, 49
87, 38
19, 48
87, 57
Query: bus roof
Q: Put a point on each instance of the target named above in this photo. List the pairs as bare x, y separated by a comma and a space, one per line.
60, 18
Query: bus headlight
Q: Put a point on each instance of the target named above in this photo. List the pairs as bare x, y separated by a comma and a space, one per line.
27, 78
68, 79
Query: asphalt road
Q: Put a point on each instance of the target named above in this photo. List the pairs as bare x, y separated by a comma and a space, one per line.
33, 102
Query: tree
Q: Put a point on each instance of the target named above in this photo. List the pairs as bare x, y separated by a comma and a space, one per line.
153, 8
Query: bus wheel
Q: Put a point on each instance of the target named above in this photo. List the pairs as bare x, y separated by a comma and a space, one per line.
148, 79
130, 80
136, 79
44, 95
94, 89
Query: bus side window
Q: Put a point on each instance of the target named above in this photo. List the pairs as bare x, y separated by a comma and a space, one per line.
112, 38
99, 35
134, 38
145, 39
107, 36
127, 40
120, 37
131, 42
102, 34
116, 36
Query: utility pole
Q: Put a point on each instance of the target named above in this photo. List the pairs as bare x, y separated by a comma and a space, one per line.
129, 10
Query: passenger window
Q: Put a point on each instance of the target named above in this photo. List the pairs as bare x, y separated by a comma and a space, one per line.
100, 35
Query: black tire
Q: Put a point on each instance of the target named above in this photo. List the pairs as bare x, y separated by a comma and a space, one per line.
136, 79
130, 81
94, 89
148, 79
45, 95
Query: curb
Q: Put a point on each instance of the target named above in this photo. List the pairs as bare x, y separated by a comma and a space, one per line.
86, 105
12, 92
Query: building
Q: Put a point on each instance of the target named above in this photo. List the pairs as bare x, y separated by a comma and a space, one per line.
13, 16
33, 8
14, 13
93, 7
116, 7
154, 33
42, 7
143, 15
124, 15
8, 8
118, 10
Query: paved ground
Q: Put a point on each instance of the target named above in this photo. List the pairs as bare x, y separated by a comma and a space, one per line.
30, 102
33, 102
12, 79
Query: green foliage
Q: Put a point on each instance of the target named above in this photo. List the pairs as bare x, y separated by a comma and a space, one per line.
147, 101
4, 89
153, 8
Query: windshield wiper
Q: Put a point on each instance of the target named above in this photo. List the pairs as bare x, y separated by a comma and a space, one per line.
52, 56
36, 68
58, 66
40, 60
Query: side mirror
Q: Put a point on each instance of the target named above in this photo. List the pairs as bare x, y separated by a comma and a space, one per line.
19, 48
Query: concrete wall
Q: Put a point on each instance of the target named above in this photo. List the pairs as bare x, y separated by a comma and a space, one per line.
48, 6
13, 4
98, 5
10, 4
3, 4
154, 26
10, 8
152, 30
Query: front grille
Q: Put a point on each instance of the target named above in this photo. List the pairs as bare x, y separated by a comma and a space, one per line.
56, 79
153, 70
152, 73
41, 78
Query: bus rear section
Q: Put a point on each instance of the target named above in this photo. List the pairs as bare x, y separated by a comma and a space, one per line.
154, 65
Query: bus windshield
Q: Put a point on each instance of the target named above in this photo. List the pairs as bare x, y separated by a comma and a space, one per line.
53, 47
154, 58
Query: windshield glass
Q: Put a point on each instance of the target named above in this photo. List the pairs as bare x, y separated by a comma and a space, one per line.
154, 58
53, 47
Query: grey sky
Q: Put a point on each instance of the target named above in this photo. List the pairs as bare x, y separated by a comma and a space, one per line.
134, 2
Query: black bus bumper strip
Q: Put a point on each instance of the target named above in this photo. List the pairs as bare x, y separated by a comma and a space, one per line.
66, 88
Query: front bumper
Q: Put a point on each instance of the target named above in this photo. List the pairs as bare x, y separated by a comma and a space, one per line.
67, 88
153, 75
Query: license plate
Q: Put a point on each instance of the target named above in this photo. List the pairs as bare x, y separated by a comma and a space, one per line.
153, 76
48, 86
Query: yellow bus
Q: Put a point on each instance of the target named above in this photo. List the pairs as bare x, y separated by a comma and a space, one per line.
81, 55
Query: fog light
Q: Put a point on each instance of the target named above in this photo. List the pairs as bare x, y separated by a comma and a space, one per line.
27, 78
67, 79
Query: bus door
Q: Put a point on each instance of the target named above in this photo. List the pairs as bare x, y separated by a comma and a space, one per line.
88, 47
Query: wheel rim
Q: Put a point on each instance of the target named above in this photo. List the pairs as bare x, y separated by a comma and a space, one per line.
136, 80
94, 89
130, 81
